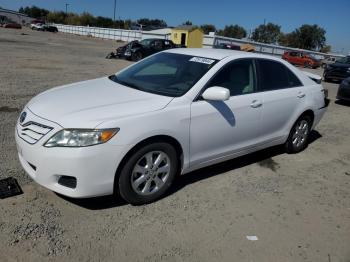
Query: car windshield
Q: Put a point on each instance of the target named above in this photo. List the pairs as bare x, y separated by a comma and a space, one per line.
165, 74
344, 60
145, 42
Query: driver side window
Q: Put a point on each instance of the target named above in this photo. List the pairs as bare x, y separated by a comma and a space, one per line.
238, 76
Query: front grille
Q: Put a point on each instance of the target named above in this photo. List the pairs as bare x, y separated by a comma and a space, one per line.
32, 132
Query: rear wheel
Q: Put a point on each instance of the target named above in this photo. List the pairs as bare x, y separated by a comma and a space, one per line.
148, 173
299, 135
307, 64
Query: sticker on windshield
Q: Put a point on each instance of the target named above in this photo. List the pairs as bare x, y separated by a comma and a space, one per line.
202, 60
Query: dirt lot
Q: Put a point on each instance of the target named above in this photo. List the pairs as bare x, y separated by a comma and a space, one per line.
297, 205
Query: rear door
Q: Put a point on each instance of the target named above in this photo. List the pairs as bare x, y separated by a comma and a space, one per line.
283, 94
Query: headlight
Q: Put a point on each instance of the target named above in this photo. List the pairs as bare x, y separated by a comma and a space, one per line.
80, 137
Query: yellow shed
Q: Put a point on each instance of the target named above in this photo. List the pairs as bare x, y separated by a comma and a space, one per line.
187, 35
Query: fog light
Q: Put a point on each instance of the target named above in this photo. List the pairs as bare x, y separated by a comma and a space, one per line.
67, 181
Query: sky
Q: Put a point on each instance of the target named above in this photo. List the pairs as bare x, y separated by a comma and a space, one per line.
333, 16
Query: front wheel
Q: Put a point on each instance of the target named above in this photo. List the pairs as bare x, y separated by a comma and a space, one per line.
148, 173
299, 135
136, 56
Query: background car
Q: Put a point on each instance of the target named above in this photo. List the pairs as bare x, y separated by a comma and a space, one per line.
136, 50
337, 71
327, 61
37, 26
228, 46
146, 47
121, 50
50, 28
13, 26
344, 90
301, 59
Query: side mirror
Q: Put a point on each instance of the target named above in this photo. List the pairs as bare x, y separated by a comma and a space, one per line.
216, 93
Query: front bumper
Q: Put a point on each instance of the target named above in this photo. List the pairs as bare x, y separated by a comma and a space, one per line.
93, 167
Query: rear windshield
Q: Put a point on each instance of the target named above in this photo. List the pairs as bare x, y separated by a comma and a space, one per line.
165, 74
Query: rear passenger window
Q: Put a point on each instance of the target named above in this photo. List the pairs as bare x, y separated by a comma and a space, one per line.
274, 75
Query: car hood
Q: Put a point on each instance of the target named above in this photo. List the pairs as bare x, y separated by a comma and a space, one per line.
87, 104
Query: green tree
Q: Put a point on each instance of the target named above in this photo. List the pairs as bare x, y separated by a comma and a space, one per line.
188, 22
326, 49
34, 12
86, 19
234, 31
207, 28
127, 24
151, 23
269, 33
57, 17
72, 19
310, 37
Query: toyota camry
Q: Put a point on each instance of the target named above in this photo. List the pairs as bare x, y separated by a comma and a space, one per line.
174, 112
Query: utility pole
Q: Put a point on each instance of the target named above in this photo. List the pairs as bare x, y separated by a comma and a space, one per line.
67, 8
115, 4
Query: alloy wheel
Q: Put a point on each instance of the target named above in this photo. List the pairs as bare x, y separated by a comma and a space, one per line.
300, 134
150, 173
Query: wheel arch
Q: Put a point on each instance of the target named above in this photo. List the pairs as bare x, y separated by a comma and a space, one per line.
309, 113
153, 139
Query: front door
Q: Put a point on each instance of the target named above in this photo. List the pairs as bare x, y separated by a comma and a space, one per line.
183, 39
222, 128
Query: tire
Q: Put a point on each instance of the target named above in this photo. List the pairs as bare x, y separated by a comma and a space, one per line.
140, 183
298, 138
137, 56
307, 65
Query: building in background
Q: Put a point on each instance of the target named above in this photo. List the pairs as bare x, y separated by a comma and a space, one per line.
9, 16
188, 36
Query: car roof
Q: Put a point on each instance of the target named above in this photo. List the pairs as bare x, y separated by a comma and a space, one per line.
217, 54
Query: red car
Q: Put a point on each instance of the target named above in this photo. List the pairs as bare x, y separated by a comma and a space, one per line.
301, 59
13, 25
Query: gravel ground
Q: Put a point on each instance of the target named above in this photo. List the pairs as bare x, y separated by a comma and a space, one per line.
297, 205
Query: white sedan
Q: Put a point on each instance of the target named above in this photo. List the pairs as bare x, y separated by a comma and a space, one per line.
37, 26
179, 110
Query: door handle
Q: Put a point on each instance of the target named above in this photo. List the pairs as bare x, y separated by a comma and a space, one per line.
255, 104
301, 95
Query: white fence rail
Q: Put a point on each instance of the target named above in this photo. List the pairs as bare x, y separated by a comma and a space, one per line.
108, 33
208, 41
